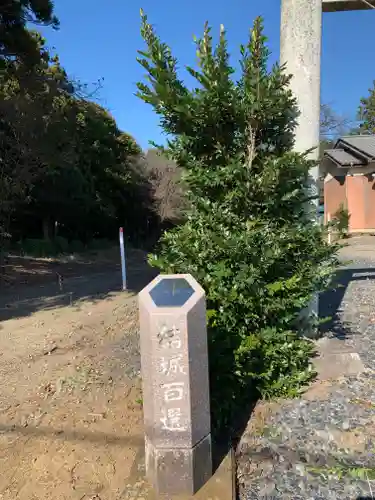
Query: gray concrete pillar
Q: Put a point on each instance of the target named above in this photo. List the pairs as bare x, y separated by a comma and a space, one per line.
300, 50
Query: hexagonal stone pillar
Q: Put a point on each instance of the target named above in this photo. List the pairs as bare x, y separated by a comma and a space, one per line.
175, 384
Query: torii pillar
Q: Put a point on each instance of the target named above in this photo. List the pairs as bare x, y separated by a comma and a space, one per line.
300, 50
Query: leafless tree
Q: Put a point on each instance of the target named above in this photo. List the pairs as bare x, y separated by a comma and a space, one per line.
165, 178
332, 124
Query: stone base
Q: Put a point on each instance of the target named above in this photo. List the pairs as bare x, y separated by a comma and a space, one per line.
332, 366
336, 359
179, 471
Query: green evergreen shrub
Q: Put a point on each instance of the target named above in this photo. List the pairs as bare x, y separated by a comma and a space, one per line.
341, 221
246, 236
76, 246
39, 247
61, 244
100, 244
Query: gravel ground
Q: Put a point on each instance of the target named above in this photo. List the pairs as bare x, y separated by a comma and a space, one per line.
322, 446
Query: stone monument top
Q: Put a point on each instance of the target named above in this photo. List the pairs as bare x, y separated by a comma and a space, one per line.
171, 292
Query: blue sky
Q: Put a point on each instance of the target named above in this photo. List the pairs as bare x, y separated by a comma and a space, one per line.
100, 40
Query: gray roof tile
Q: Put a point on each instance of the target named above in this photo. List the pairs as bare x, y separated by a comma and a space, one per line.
343, 158
364, 143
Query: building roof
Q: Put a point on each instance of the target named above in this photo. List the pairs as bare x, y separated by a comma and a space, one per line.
362, 143
342, 158
352, 151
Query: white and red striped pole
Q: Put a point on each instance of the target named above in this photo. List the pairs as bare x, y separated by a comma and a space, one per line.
123, 262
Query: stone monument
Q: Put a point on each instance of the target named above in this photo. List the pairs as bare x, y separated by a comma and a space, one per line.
175, 384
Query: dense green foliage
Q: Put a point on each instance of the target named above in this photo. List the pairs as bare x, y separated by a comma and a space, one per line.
66, 168
246, 237
16, 40
366, 113
341, 221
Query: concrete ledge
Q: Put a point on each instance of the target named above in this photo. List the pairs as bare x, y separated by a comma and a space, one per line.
336, 359
342, 5
362, 231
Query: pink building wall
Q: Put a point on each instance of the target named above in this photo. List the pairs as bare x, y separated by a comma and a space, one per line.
357, 194
334, 196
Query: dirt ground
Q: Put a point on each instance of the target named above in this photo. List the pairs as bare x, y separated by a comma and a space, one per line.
70, 410
24, 270
29, 285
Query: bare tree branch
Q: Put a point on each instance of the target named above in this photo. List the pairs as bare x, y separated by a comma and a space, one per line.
165, 178
332, 124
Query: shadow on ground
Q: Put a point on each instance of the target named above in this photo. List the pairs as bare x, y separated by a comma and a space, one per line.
49, 284
71, 435
224, 440
330, 301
